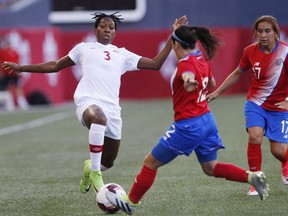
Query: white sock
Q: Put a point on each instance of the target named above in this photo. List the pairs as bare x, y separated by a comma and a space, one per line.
103, 168
96, 140
22, 102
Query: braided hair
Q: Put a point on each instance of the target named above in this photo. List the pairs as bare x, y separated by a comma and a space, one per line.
98, 16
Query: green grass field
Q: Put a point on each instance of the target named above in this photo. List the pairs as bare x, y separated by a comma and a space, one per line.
41, 165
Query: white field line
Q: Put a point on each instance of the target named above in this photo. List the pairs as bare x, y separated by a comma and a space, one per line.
35, 123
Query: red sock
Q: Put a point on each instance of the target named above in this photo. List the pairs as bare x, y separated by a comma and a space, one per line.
254, 155
230, 172
143, 182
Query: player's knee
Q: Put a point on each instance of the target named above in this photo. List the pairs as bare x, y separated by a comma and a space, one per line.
98, 119
94, 114
255, 137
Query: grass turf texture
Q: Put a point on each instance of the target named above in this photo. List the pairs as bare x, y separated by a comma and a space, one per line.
40, 168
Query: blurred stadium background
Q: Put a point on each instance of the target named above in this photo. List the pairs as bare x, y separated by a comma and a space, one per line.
43, 149
42, 30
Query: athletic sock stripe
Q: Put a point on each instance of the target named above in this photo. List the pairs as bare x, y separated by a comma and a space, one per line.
96, 148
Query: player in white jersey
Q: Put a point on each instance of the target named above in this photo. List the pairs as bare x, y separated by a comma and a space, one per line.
97, 94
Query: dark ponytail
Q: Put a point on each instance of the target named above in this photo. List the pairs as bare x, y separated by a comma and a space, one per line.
188, 36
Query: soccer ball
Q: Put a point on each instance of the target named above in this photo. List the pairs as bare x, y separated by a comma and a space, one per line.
102, 201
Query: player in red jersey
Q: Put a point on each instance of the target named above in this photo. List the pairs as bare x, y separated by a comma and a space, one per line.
264, 115
194, 127
11, 79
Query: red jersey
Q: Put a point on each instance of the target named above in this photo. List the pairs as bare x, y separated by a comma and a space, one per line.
190, 104
270, 81
8, 55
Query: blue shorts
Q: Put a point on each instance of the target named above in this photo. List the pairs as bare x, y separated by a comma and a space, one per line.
199, 134
275, 124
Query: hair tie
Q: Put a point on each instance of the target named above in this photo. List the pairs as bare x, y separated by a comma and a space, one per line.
178, 39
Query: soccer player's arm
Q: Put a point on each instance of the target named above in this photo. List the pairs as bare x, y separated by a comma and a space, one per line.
47, 67
157, 62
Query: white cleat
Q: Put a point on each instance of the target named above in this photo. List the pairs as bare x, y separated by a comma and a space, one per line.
258, 181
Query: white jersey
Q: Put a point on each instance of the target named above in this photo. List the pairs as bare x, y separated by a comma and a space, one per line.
102, 67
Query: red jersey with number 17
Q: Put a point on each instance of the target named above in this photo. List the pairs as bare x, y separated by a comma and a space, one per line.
190, 104
270, 81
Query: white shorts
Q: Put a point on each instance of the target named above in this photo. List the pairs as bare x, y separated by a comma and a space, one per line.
112, 112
